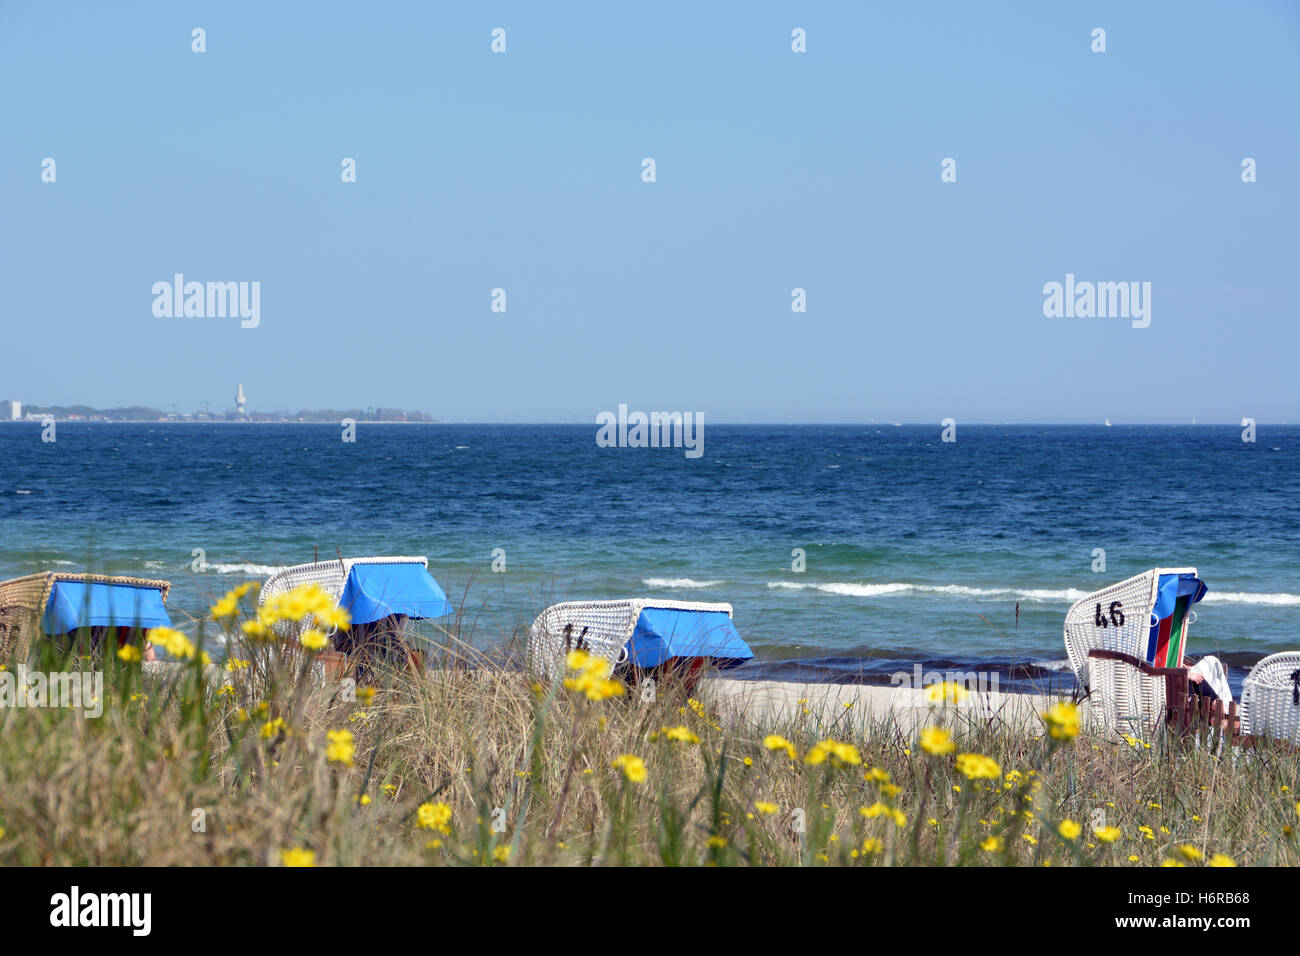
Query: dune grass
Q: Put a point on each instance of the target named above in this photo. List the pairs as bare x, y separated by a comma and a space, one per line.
469, 762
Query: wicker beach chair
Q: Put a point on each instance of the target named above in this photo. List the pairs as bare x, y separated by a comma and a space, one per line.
1146, 616
56, 602
380, 594
634, 633
1270, 698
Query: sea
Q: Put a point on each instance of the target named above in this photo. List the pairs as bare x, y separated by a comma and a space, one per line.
850, 553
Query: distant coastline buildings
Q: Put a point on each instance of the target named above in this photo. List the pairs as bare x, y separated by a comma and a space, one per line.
13, 410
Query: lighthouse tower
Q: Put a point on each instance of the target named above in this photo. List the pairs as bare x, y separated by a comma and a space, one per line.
239, 400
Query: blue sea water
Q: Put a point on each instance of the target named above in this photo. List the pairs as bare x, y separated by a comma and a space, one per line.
917, 551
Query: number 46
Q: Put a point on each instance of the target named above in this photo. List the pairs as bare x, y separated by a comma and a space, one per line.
1116, 616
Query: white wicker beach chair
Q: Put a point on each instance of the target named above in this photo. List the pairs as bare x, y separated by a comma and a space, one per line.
1270, 698
601, 628
1115, 618
332, 576
1126, 699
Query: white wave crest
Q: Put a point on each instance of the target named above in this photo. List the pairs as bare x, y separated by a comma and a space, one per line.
899, 587
1045, 595
679, 583
258, 569
1247, 597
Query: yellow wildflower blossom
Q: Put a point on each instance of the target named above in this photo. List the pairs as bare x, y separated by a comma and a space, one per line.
937, 741
340, 748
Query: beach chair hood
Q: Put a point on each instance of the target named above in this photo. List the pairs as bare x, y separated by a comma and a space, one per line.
1176, 592
662, 633
76, 604
374, 591
643, 632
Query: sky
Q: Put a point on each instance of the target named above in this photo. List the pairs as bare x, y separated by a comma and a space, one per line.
522, 170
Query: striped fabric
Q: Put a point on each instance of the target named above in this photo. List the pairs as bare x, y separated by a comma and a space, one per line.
1167, 638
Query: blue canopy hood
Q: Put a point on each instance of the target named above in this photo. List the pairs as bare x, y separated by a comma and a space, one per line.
664, 633
374, 591
78, 604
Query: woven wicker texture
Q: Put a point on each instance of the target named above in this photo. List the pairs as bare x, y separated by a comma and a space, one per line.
1269, 704
332, 576
1133, 599
1127, 701
23, 601
601, 628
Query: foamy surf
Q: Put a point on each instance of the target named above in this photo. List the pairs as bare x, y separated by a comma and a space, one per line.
679, 583
1246, 597
850, 589
1045, 595
261, 570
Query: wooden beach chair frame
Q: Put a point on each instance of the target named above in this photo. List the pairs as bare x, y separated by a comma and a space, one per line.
1169, 702
23, 601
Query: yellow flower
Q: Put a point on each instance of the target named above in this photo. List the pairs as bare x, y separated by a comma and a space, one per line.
977, 766
341, 747
1191, 852
777, 742
502, 853
633, 767
872, 845
937, 741
949, 692
1062, 720
1069, 829
992, 844
363, 799
434, 816
1107, 834
764, 807
879, 809
1221, 859
365, 696
228, 606
681, 734
173, 642
842, 755
298, 857
591, 676
129, 653
313, 639
273, 727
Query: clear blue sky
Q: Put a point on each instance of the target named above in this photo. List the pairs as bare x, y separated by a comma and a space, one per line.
775, 170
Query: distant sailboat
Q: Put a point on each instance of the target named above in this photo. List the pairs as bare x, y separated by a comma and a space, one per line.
1108, 423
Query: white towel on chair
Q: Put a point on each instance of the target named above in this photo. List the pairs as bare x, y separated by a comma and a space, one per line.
1216, 675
